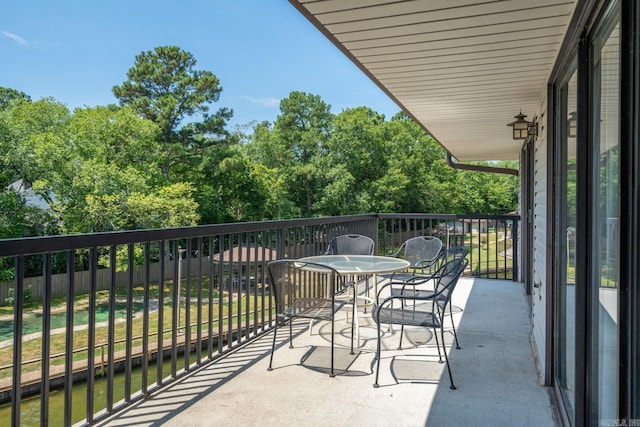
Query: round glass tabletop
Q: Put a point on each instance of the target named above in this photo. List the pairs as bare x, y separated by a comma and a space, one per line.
359, 264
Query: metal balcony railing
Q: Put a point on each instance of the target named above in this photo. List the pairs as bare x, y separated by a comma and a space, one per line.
108, 318
492, 240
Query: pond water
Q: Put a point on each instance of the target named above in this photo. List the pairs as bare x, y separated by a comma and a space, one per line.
30, 406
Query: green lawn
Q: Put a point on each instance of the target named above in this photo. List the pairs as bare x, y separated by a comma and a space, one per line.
31, 349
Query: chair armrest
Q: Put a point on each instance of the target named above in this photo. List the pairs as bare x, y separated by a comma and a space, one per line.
402, 285
415, 279
397, 253
442, 259
399, 297
383, 287
424, 263
418, 279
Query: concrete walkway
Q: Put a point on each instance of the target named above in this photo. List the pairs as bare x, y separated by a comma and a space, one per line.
494, 371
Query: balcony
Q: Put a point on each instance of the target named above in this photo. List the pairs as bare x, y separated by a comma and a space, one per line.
146, 370
494, 371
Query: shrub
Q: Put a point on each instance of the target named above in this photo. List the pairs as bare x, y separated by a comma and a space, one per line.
27, 296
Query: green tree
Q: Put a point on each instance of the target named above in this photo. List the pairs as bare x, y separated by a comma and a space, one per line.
357, 150
8, 95
337, 195
115, 136
416, 175
270, 160
33, 139
487, 193
19, 220
169, 206
93, 199
300, 139
266, 148
97, 168
112, 199
164, 87
31, 149
106, 155
239, 189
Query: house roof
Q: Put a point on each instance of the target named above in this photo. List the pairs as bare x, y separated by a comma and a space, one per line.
31, 198
461, 68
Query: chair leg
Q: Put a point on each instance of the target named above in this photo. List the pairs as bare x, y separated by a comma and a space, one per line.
454, 327
401, 335
366, 292
273, 346
332, 374
452, 387
290, 333
435, 334
355, 319
353, 316
375, 384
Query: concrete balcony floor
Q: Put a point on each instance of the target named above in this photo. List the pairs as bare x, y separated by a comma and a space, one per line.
494, 371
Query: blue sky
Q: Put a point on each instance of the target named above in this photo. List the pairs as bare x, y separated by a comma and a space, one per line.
76, 50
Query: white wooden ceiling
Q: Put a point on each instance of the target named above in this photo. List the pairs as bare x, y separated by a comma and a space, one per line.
462, 68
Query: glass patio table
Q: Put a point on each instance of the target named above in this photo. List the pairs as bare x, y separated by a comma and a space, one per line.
356, 265
359, 265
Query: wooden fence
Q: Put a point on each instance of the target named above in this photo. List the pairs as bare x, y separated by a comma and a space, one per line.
82, 279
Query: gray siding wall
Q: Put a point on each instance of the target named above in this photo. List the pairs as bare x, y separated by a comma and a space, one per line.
539, 297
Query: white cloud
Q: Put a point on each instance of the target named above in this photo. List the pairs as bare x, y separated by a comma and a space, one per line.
267, 102
16, 38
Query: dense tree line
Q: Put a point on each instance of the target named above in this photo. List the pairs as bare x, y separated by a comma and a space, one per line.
161, 159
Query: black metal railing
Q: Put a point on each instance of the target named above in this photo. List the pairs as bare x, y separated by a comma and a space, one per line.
492, 240
139, 309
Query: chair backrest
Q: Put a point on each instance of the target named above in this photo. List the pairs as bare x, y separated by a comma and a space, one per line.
456, 252
421, 251
351, 244
291, 280
448, 275
452, 253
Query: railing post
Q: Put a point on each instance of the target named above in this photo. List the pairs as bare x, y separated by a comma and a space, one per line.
514, 246
91, 333
376, 234
18, 303
46, 340
68, 362
280, 243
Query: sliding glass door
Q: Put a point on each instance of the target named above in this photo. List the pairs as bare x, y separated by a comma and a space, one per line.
605, 214
565, 238
586, 227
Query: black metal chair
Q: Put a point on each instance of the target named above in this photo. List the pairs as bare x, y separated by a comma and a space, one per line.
422, 252
351, 244
415, 278
452, 253
423, 284
425, 310
304, 290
